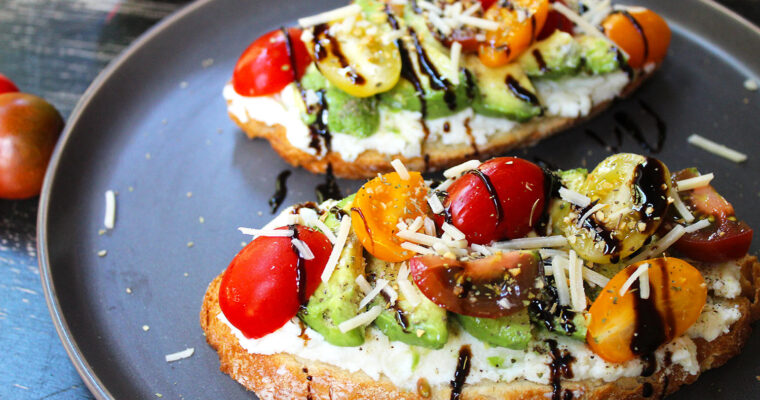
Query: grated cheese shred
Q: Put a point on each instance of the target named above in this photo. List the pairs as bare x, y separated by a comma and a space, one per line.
362, 319
643, 268
716, 148
695, 182
340, 242
379, 285
400, 168
110, 213
327, 16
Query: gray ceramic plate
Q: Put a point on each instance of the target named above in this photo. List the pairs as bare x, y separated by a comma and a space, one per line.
153, 127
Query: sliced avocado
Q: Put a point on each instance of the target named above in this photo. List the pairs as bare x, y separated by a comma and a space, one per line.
338, 300
504, 91
512, 331
431, 64
546, 313
554, 57
572, 179
345, 113
599, 56
423, 325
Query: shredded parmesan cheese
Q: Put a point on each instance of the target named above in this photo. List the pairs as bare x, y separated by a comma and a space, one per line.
589, 213
701, 224
362, 319
435, 204
416, 248
400, 168
695, 182
644, 284
559, 279
416, 224
180, 355
326, 230
574, 197
662, 244
303, 249
481, 23
481, 249
363, 284
429, 226
716, 148
327, 16
456, 52
266, 232
680, 206
340, 242
379, 285
575, 274
452, 230
110, 212
532, 243
407, 289
445, 185
392, 295
584, 25
635, 275
457, 170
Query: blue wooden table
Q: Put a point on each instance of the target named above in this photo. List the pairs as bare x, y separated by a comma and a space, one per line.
55, 48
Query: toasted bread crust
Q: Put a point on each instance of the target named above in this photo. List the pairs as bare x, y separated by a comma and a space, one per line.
439, 156
287, 376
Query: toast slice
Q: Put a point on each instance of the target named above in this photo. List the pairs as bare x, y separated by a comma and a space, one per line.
284, 375
436, 155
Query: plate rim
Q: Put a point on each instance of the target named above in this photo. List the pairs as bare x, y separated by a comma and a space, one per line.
80, 363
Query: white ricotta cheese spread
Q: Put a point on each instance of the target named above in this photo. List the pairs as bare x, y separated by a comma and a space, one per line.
401, 132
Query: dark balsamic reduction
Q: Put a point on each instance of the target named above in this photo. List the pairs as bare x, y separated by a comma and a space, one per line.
460, 375
322, 30
470, 84
539, 60
633, 129
291, 58
280, 191
398, 313
662, 127
547, 310
649, 330
612, 245
665, 387
651, 189
303, 336
603, 142
647, 390
364, 220
329, 189
437, 81
639, 29
300, 269
560, 367
468, 130
520, 92
491, 192
623, 64
318, 129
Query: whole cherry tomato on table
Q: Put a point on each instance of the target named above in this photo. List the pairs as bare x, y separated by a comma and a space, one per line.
259, 292
29, 129
7, 85
264, 68
512, 210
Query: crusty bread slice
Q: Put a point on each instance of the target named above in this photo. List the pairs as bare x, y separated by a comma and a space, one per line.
285, 376
439, 155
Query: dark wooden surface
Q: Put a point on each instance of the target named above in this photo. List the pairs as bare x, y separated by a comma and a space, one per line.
55, 48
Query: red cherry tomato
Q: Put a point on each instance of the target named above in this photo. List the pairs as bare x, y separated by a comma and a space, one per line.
485, 4
29, 130
519, 189
724, 240
259, 292
264, 67
490, 287
7, 85
555, 20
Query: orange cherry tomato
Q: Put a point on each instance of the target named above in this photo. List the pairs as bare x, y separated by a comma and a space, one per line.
641, 33
379, 206
623, 327
520, 23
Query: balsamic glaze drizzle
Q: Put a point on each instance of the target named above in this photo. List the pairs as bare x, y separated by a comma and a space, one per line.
366, 227
491, 192
329, 189
662, 127
539, 60
651, 189
623, 64
547, 310
640, 30
520, 92
612, 245
300, 269
561, 366
633, 129
280, 191
460, 375
322, 31
647, 390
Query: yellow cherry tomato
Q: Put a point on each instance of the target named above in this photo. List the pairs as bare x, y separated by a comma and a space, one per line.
379, 206
623, 327
641, 33
520, 21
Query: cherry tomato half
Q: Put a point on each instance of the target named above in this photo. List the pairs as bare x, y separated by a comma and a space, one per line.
490, 287
641, 33
727, 238
29, 129
516, 31
622, 327
7, 85
555, 20
259, 292
380, 205
264, 68
511, 211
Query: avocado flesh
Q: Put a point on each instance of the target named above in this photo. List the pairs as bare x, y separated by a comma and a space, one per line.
572, 179
554, 57
424, 325
512, 331
599, 56
338, 299
496, 99
357, 116
439, 102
